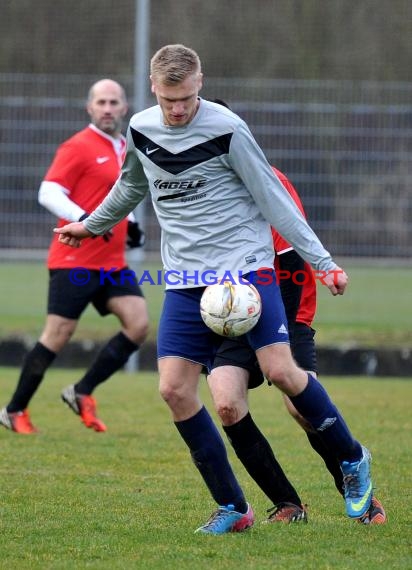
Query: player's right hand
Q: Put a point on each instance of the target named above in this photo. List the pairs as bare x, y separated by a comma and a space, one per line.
72, 234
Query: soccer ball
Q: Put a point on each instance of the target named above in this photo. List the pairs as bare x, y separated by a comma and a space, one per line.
230, 308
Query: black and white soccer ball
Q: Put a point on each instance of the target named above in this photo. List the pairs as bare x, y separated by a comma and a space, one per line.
231, 308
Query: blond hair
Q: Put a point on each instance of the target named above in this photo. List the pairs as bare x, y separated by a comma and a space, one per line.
173, 63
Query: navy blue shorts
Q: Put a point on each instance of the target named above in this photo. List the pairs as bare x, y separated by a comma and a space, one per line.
71, 292
182, 332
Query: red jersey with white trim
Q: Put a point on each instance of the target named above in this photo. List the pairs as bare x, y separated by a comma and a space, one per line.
87, 165
307, 307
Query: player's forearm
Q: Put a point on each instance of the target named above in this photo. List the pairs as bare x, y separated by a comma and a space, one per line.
122, 199
275, 202
53, 197
114, 208
128, 191
289, 222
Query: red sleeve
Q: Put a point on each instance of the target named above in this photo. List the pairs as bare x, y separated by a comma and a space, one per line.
280, 244
307, 307
67, 166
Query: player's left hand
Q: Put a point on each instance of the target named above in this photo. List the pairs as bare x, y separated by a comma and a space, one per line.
336, 280
135, 235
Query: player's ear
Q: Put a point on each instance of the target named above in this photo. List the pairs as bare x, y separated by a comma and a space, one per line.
152, 86
200, 81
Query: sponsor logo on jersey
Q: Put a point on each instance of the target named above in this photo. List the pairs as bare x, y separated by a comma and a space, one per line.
102, 159
193, 198
179, 184
189, 189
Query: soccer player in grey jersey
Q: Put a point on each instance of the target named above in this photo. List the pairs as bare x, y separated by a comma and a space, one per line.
215, 197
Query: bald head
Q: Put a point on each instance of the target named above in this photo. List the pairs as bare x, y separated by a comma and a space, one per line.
106, 85
107, 105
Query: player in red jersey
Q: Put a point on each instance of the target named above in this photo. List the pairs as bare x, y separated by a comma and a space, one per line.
298, 289
300, 311
82, 172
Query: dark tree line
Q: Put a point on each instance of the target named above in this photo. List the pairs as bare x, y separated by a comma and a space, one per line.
319, 39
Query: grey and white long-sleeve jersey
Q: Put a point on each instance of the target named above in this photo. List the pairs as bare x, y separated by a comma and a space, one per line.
214, 194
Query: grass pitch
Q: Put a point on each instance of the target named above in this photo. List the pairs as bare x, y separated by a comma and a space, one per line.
371, 313
131, 498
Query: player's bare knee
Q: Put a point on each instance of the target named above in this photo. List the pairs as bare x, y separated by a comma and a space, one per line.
167, 393
228, 414
286, 376
173, 396
278, 376
57, 336
137, 332
66, 332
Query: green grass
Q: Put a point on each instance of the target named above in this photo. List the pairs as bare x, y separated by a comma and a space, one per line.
23, 288
131, 498
373, 311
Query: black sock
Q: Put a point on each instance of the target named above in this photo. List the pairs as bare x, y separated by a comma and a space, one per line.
257, 457
208, 453
35, 365
113, 356
328, 457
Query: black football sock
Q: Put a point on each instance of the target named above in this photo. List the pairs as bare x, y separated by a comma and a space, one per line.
113, 356
36, 362
328, 457
257, 457
208, 453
